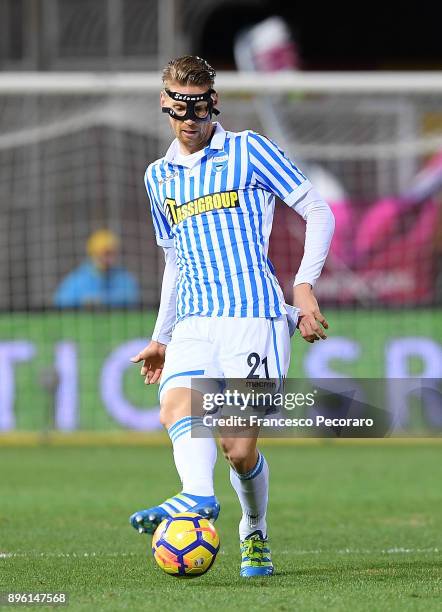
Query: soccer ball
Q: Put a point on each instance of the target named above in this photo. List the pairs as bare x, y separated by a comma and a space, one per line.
185, 545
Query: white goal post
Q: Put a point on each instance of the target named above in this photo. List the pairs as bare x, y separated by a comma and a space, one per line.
284, 82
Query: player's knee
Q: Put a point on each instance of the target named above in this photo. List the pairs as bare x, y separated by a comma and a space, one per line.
175, 405
164, 416
169, 414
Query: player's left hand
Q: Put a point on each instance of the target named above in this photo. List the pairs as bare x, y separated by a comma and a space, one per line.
311, 321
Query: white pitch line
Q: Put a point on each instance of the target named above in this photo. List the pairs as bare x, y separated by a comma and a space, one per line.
343, 551
77, 555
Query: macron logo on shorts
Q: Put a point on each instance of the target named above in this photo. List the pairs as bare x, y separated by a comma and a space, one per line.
215, 201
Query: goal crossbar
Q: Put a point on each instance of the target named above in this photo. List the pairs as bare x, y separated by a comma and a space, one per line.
77, 83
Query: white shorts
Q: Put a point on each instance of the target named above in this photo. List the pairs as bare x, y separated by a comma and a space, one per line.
226, 347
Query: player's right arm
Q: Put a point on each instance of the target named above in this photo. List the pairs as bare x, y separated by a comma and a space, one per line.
153, 354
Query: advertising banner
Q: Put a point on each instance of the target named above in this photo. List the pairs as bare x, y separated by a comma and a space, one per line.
71, 371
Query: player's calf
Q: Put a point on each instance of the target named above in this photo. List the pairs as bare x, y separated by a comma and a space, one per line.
241, 453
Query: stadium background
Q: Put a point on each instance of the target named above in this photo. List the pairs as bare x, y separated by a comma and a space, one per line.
354, 524
72, 161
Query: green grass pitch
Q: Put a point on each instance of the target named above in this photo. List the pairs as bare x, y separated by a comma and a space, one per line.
352, 527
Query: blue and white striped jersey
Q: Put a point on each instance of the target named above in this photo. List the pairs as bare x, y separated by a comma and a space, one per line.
218, 214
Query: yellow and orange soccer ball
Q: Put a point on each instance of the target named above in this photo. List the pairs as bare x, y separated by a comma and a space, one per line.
185, 545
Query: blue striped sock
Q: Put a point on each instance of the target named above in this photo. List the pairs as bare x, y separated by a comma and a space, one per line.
194, 456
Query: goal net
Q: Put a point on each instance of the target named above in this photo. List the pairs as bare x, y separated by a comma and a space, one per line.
73, 150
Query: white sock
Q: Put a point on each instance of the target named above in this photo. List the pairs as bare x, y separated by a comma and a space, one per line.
194, 457
252, 489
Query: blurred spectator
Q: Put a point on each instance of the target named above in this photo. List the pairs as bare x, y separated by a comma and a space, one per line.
99, 281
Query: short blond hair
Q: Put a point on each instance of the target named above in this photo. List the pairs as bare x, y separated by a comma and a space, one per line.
189, 70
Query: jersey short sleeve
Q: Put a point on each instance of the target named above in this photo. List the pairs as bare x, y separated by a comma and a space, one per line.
161, 225
274, 171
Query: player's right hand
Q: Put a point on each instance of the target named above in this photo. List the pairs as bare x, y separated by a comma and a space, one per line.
153, 361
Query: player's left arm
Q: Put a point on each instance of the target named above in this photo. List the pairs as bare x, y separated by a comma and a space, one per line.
276, 173
320, 225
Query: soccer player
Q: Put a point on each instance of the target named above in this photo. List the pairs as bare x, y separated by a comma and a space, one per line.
222, 312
